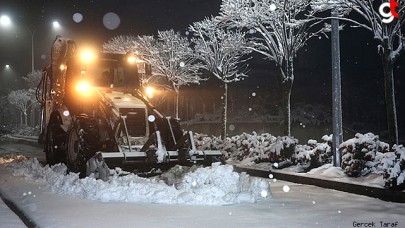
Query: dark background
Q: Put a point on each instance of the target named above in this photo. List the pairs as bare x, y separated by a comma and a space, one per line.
362, 76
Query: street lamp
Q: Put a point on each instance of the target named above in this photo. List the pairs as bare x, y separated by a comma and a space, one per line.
55, 24
6, 21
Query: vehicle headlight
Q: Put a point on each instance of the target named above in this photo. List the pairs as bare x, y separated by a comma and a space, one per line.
83, 87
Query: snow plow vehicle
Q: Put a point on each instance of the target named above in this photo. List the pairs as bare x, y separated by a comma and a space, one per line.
95, 116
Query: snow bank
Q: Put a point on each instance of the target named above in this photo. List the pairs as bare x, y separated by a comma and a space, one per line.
216, 185
328, 170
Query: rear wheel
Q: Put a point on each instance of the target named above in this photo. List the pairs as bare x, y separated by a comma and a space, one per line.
55, 147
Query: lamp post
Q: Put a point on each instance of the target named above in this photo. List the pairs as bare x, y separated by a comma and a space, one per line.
56, 25
6, 21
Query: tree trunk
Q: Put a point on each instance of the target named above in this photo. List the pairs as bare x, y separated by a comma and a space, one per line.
225, 110
286, 86
25, 118
177, 104
390, 96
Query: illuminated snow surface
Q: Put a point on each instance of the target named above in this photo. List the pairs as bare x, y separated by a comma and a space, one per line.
183, 197
215, 185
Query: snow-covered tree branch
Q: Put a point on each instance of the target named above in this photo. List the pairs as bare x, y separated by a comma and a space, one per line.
222, 52
278, 30
391, 40
22, 99
171, 57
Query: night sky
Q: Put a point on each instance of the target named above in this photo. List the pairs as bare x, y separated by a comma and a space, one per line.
137, 17
362, 78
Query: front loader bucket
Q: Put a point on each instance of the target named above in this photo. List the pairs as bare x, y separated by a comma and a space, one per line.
149, 156
97, 166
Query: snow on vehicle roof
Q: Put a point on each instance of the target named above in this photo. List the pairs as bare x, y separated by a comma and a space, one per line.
124, 100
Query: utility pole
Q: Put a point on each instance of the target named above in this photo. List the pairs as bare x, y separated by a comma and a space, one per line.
336, 91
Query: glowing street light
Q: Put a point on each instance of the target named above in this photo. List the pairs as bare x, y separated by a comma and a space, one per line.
56, 24
7, 66
6, 21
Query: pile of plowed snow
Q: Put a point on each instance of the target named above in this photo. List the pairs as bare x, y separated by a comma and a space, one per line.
215, 185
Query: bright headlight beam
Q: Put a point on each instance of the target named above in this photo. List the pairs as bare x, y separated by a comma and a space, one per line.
87, 56
83, 87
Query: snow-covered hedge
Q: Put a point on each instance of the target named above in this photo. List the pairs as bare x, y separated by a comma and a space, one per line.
362, 154
314, 154
393, 164
264, 147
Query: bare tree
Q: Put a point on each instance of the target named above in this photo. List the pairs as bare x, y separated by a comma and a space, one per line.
222, 52
278, 30
172, 58
22, 99
32, 79
389, 35
121, 44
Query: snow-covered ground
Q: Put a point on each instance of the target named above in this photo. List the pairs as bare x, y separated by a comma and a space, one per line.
204, 197
8, 218
327, 172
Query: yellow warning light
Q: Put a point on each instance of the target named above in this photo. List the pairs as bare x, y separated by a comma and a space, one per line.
150, 91
131, 59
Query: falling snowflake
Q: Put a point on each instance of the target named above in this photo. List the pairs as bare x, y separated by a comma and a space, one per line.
182, 64
273, 7
151, 118
77, 17
111, 20
264, 194
286, 188
253, 94
271, 176
231, 127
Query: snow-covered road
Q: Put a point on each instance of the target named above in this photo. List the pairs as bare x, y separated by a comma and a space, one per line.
293, 206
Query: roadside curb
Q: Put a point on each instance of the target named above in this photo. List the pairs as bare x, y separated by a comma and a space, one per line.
24, 218
375, 192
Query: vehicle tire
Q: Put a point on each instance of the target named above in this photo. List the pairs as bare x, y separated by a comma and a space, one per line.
75, 160
55, 142
82, 144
